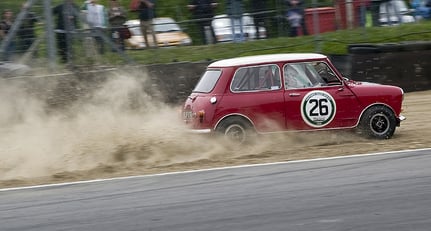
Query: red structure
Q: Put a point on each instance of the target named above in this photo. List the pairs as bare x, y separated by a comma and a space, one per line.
344, 15
325, 17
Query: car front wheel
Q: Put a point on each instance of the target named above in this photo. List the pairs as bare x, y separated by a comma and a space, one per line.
378, 122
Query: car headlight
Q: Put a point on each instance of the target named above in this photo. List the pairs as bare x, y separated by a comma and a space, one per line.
186, 41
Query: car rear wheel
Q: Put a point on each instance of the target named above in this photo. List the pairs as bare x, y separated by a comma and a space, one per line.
236, 130
378, 122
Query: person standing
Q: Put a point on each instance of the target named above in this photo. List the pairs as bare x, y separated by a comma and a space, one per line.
146, 15
26, 34
258, 8
66, 22
235, 11
203, 12
296, 17
422, 8
96, 18
361, 12
5, 25
117, 18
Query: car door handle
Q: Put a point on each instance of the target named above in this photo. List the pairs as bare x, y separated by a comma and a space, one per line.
294, 94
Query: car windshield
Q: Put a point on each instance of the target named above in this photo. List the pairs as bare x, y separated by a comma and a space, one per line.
393, 6
160, 26
135, 30
208, 81
223, 21
166, 26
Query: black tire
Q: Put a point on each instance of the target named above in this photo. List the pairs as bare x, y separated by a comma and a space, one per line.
378, 122
236, 130
363, 49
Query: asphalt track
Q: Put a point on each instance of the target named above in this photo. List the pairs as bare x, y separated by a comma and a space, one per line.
384, 191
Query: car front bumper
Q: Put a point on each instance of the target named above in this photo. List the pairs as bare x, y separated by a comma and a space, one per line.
200, 131
400, 118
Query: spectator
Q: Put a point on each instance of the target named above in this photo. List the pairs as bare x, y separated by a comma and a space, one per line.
375, 11
96, 18
66, 14
361, 11
422, 8
146, 15
203, 11
257, 6
296, 17
26, 34
117, 18
235, 11
5, 25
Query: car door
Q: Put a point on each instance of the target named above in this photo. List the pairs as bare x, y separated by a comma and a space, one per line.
256, 92
313, 102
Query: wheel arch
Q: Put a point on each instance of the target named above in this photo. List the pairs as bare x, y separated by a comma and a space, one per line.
371, 106
233, 115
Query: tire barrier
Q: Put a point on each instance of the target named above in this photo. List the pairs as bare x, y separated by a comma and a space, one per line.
406, 64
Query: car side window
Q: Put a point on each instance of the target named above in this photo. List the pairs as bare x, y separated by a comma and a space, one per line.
295, 76
256, 78
307, 75
326, 73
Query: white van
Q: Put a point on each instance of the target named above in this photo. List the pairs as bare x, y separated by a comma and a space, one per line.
223, 30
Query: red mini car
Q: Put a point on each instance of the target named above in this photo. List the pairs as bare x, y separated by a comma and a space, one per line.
280, 92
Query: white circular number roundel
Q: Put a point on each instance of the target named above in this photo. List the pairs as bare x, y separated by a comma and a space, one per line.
318, 108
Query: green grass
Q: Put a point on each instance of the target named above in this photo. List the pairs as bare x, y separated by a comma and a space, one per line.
327, 43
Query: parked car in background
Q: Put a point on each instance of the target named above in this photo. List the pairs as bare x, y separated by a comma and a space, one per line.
395, 12
168, 33
240, 97
12, 69
223, 28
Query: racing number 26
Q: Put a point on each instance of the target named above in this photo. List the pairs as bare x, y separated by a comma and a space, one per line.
319, 107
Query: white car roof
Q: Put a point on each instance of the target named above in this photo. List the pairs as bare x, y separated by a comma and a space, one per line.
257, 59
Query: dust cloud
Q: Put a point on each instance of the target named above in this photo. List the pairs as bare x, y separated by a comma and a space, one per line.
118, 125
120, 128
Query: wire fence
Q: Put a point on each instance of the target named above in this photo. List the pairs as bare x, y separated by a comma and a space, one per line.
35, 39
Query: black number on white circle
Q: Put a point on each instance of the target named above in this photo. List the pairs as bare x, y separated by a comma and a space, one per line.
319, 107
